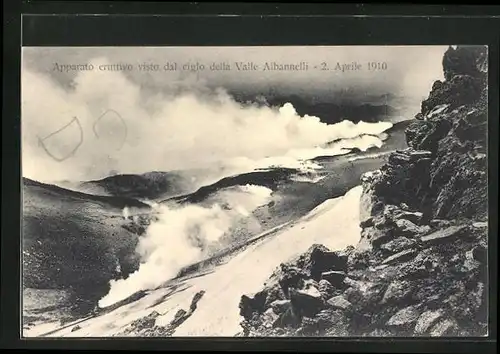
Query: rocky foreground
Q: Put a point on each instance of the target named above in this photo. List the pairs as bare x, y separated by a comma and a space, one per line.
420, 268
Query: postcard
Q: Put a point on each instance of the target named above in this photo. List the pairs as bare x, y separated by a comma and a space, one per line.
259, 191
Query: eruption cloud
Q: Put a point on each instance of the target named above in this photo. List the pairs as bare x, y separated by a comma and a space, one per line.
151, 132
182, 236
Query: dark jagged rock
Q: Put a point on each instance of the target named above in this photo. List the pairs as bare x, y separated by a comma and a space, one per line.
319, 259
447, 327
270, 318
135, 228
281, 306
415, 217
147, 327
457, 137
306, 302
444, 235
366, 223
292, 277
425, 135
326, 288
334, 277
472, 127
274, 293
439, 223
397, 245
399, 180
339, 302
401, 256
465, 60
143, 323
407, 228
197, 297
427, 320
249, 305
460, 89
398, 291
480, 254
179, 318
365, 292
333, 323
404, 317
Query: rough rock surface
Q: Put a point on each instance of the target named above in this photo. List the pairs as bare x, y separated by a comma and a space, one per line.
147, 327
455, 183
420, 268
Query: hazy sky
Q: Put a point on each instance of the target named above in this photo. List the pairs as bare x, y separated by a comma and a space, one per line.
411, 70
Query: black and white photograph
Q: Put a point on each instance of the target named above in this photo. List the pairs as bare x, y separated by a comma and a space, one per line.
254, 191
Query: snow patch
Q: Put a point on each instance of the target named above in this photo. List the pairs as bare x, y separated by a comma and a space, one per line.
335, 223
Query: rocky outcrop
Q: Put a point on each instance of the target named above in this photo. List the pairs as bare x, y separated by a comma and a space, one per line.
147, 326
296, 293
465, 60
454, 128
420, 268
434, 281
139, 224
443, 173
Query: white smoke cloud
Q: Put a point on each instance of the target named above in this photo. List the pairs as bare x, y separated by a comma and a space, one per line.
146, 133
181, 237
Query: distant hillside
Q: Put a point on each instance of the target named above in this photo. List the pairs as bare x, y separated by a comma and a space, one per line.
330, 112
269, 178
76, 241
115, 202
151, 185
